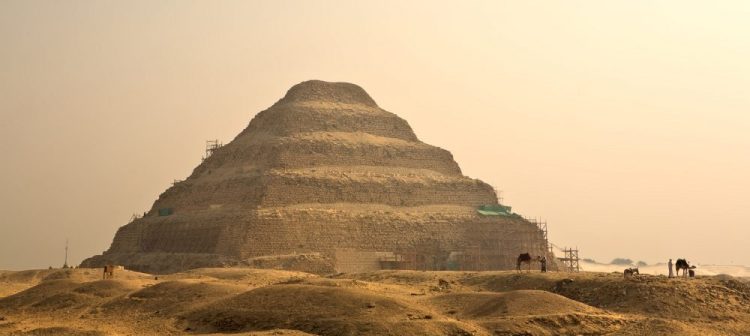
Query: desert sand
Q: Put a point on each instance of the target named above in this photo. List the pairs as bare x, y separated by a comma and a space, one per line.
662, 269
273, 302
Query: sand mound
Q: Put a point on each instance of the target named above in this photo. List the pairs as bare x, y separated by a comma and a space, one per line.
400, 277
527, 311
652, 326
560, 324
274, 332
62, 301
54, 331
71, 274
39, 295
320, 310
514, 303
270, 302
171, 297
14, 282
106, 288
56, 295
248, 276
184, 291
27, 276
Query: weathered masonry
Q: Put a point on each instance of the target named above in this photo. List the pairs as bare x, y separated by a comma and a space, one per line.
325, 171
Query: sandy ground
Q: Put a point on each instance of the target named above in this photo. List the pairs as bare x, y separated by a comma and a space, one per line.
245, 301
663, 269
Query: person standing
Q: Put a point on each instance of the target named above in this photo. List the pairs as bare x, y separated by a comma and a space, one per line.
543, 261
670, 268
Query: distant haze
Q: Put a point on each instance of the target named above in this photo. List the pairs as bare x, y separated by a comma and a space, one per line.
624, 124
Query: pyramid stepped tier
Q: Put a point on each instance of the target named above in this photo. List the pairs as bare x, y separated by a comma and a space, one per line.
391, 186
356, 184
285, 119
248, 153
324, 170
314, 227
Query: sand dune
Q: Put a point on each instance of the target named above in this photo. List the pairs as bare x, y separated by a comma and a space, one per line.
245, 301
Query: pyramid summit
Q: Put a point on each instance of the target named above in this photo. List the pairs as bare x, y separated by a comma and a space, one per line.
320, 91
325, 172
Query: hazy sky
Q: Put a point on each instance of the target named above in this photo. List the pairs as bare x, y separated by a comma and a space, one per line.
624, 124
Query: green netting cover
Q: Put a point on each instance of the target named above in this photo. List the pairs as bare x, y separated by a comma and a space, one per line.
494, 210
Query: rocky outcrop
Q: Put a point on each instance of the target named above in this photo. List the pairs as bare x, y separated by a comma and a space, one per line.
323, 169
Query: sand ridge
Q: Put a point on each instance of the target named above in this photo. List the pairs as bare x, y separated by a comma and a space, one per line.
250, 301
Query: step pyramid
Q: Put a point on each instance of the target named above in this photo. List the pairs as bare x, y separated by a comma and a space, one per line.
324, 170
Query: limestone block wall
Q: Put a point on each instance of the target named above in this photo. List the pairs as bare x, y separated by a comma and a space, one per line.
278, 231
194, 232
189, 196
358, 261
282, 230
284, 190
176, 235
128, 238
310, 154
297, 153
288, 119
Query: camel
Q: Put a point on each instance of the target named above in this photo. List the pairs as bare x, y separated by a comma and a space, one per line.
109, 272
525, 258
630, 271
683, 265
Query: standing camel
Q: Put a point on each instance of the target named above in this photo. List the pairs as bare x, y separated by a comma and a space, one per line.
109, 272
525, 258
683, 265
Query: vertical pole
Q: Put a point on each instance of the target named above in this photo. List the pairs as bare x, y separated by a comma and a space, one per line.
65, 265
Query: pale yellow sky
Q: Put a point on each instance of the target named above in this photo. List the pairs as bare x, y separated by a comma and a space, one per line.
623, 123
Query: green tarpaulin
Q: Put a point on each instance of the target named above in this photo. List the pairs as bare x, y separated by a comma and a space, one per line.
494, 210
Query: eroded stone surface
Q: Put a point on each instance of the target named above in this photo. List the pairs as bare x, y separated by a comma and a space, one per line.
324, 170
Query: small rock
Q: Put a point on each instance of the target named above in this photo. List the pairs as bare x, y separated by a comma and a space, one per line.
371, 305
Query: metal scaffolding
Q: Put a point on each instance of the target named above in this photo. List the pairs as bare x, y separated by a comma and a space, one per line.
211, 147
570, 260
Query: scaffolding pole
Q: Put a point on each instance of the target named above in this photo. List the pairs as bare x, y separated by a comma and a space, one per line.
570, 259
211, 147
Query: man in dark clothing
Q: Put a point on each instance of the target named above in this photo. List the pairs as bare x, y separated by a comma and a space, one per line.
543, 261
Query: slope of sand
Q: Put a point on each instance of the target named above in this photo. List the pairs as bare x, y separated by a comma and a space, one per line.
245, 301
